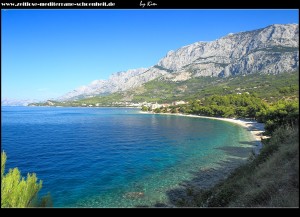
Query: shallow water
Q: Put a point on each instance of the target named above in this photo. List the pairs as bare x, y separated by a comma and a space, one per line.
117, 157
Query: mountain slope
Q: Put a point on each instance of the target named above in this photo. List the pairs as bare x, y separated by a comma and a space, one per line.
273, 49
269, 87
270, 50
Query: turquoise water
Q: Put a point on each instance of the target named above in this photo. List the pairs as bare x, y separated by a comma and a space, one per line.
117, 157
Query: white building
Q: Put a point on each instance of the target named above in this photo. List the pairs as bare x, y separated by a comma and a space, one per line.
179, 102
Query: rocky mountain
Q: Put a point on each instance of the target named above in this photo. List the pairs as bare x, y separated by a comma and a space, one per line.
270, 50
119, 81
273, 49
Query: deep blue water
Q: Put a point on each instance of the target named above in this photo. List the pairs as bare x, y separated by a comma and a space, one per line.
96, 157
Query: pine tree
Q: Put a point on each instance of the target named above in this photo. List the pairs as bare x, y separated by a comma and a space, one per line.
16, 191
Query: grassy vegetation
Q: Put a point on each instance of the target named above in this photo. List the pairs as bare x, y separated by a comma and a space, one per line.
269, 180
267, 87
107, 100
103, 100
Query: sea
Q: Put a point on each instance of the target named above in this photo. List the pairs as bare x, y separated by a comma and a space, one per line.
120, 157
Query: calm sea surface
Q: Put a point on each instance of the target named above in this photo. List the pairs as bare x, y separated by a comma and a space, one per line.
117, 157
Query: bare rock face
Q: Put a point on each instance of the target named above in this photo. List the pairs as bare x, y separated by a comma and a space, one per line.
117, 82
273, 49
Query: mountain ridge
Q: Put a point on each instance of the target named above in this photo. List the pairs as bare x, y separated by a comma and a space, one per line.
270, 50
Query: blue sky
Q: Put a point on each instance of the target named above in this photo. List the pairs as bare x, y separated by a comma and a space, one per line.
46, 53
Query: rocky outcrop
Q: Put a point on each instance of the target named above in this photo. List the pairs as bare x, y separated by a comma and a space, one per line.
273, 49
119, 81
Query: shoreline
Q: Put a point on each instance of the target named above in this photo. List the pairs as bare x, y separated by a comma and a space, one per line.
256, 129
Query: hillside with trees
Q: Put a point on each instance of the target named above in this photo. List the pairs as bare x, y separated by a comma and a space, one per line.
268, 87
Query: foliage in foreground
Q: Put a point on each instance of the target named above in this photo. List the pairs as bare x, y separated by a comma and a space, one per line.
16, 191
270, 180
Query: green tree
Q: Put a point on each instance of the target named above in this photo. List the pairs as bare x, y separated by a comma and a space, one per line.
144, 108
16, 191
278, 114
174, 110
157, 110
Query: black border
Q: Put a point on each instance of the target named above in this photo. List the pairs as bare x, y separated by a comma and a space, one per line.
162, 4
159, 4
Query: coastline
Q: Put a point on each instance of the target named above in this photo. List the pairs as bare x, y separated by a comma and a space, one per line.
256, 129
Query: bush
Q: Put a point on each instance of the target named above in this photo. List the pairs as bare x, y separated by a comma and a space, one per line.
16, 191
145, 108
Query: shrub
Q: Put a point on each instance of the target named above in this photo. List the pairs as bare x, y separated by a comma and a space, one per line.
16, 191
